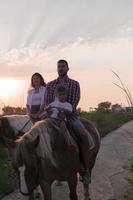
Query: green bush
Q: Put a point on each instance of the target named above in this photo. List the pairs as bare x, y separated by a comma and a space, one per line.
5, 178
129, 194
8, 179
106, 121
130, 167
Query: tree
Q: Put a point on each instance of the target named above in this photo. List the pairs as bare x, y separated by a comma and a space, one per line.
104, 106
117, 108
79, 110
9, 110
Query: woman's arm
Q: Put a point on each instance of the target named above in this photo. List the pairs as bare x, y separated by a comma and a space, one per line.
40, 110
28, 110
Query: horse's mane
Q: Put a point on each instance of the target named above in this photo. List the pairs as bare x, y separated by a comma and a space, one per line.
44, 148
6, 129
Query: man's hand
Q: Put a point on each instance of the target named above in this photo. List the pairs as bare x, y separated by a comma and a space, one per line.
62, 115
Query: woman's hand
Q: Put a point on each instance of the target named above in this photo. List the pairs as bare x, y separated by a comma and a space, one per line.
34, 116
48, 110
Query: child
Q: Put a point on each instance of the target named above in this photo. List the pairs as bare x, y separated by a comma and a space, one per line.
60, 104
59, 108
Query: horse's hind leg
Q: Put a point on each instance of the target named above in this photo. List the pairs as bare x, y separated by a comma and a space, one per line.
86, 192
72, 182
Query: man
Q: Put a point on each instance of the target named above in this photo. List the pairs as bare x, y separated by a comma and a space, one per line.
71, 85
73, 98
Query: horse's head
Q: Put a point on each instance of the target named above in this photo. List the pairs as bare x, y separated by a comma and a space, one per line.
11, 126
25, 162
5, 129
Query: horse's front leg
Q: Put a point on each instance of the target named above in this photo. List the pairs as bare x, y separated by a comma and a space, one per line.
31, 196
86, 192
72, 183
46, 189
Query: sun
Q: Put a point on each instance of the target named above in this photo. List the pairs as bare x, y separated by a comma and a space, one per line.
8, 87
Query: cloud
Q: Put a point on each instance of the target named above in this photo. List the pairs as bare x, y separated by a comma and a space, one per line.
50, 23
80, 56
36, 33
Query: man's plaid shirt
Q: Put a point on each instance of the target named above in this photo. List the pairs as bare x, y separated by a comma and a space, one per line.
72, 87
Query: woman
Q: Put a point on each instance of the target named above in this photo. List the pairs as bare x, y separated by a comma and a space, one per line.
35, 98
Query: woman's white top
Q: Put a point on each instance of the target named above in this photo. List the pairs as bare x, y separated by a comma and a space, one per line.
57, 104
36, 98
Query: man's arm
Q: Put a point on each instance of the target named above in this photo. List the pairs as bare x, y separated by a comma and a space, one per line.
75, 95
47, 95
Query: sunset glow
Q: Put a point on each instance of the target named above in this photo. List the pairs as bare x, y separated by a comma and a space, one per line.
9, 87
93, 39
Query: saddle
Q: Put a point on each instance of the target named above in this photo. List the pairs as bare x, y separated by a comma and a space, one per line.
72, 138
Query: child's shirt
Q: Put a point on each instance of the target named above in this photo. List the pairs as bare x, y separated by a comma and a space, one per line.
57, 104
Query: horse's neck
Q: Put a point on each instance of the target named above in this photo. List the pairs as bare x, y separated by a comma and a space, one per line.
51, 147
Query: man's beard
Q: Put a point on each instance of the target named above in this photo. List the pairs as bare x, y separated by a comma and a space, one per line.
62, 74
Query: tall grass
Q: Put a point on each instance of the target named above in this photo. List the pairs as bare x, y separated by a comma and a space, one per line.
129, 193
106, 121
7, 175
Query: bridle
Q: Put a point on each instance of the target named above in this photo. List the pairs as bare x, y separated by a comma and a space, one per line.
21, 132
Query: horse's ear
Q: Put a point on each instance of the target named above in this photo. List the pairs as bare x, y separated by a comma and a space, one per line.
34, 143
9, 142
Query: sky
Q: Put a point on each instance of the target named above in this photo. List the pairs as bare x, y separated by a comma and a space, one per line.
94, 36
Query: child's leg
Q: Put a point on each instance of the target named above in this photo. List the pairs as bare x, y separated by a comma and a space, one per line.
83, 133
65, 132
87, 144
70, 146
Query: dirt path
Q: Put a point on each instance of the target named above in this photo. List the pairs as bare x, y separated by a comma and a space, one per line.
109, 175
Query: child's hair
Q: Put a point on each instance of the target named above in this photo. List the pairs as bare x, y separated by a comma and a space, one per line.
60, 89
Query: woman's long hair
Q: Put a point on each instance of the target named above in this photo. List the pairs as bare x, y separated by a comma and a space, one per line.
42, 83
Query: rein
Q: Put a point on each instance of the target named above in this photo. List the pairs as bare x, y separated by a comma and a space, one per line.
20, 132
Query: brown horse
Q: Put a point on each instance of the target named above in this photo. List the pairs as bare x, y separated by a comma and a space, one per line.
40, 156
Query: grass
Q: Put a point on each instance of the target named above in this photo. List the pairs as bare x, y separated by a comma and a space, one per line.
107, 121
7, 175
129, 193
